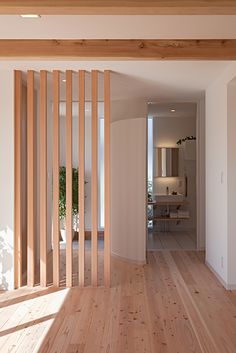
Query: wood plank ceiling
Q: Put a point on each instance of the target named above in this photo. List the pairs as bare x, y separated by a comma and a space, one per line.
123, 7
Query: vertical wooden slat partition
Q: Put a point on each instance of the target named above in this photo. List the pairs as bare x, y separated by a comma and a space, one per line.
81, 174
39, 147
17, 182
31, 180
69, 178
43, 178
56, 164
94, 190
107, 177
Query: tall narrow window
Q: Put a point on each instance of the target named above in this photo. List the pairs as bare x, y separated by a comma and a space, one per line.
101, 172
150, 168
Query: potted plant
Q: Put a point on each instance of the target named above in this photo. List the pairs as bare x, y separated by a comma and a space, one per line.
189, 145
62, 200
187, 138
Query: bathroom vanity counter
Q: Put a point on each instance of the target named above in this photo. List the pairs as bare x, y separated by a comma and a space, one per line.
167, 205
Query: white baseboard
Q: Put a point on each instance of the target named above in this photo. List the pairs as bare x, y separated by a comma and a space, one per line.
220, 279
125, 259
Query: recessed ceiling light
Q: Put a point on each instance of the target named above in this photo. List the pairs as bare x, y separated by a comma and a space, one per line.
30, 16
172, 110
64, 80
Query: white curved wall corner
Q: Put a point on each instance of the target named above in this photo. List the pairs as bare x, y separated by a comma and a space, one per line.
123, 109
128, 189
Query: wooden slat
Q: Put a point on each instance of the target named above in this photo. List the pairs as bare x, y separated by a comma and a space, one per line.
121, 49
69, 178
31, 180
81, 174
107, 177
117, 7
94, 190
56, 165
43, 178
17, 182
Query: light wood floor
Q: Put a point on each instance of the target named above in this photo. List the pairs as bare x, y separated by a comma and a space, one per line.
171, 240
174, 304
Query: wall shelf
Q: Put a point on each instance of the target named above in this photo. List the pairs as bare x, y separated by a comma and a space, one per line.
168, 219
164, 217
169, 203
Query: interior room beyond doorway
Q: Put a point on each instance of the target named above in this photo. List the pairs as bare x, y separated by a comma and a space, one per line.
172, 176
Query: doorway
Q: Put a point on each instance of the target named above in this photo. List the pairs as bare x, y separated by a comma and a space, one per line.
172, 176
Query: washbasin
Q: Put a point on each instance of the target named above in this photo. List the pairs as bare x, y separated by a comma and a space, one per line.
169, 198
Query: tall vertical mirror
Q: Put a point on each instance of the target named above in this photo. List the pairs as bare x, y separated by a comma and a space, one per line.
166, 162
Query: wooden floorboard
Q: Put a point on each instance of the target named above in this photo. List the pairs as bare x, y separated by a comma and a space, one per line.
172, 304
171, 240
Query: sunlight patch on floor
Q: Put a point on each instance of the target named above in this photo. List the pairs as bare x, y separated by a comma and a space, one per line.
28, 317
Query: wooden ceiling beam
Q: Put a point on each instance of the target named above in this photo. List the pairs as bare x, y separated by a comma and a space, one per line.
119, 7
120, 49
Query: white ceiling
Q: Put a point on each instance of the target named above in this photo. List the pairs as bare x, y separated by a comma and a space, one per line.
164, 81
136, 26
157, 81
182, 110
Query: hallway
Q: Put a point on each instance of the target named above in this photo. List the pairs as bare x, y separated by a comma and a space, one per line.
172, 304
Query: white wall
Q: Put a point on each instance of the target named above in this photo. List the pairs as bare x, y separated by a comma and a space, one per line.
216, 178
128, 189
128, 109
168, 130
6, 179
231, 159
201, 177
221, 178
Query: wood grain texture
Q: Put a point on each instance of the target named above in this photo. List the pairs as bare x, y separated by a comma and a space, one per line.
81, 86
56, 165
121, 49
107, 202
31, 189
17, 180
172, 304
43, 178
69, 223
117, 7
